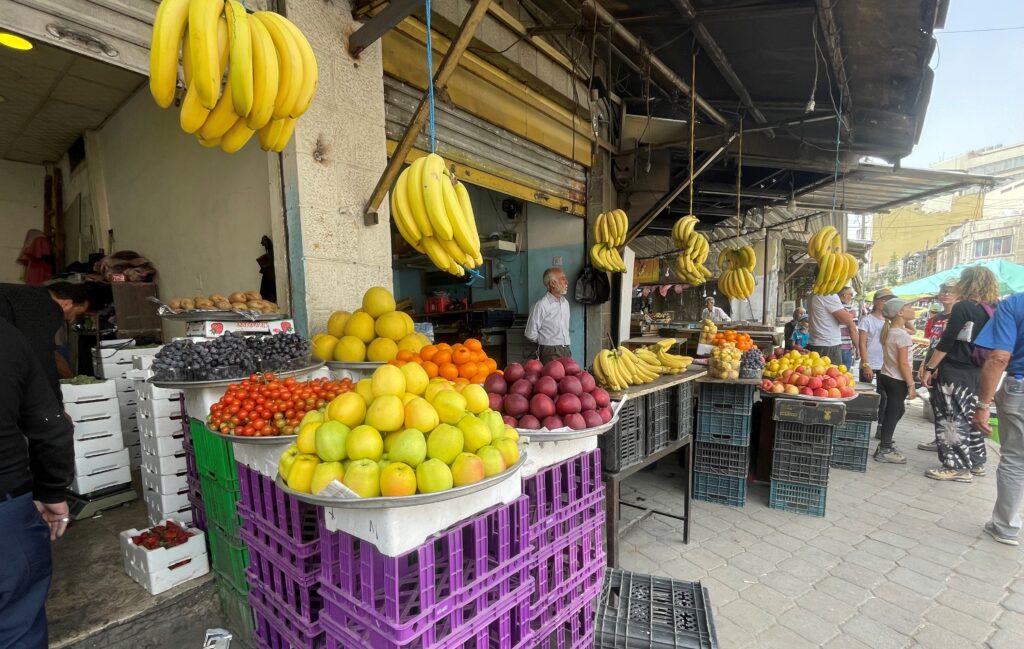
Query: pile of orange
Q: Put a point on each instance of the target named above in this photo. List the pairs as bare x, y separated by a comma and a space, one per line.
462, 362
743, 341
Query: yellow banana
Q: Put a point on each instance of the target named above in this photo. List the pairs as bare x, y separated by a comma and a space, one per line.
265, 75
220, 119
461, 231
467, 211
193, 114
240, 71
286, 134
310, 71
203, 16
402, 212
623, 227
289, 59
168, 29
437, 253
433, 197
415, 185
597, 227
236, 137
595, 259
209, 144
270, 133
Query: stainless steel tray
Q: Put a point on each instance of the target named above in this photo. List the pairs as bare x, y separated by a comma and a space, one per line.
804, 397
364, 367
258, 441
566, 435
385, 502
223, 316
223, 383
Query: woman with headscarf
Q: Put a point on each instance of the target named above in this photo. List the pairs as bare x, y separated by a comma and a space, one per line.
952, 373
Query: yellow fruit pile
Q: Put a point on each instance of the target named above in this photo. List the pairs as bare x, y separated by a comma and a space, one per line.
835, 267
432, 211
708, 330
725, 362
398, 434
620, 368
609, 234
271, 71
737, 266
793, 359
693, 251
376, 332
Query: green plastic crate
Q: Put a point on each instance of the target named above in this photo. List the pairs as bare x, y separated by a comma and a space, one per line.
229, 558
237, 612
215, 457
220, 500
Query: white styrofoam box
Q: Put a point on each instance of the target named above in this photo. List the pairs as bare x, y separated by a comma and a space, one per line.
125, 385
147, 391
159, 408
163, 445
184, 515
95, 427
86, 484
544, 454
100, 463
111, 371
88, 392
158, 426
166, 465
395, 530
128, 410
134, 456
165, 484
98, 445
91, 410
131, 437
120, 354
142, 362
165, 503
261, 458
163, 568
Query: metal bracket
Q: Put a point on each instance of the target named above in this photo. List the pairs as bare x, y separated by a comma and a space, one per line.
395, 12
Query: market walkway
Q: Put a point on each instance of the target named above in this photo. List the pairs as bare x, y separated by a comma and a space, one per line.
898, 561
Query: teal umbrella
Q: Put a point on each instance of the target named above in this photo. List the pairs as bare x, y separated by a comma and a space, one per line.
1010, 276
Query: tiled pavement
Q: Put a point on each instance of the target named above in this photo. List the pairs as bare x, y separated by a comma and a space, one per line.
898, 561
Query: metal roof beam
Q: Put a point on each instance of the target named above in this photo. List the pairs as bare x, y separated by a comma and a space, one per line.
395, 12
830, 31
752, 11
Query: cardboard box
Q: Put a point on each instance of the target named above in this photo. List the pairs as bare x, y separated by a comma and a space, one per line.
215, 328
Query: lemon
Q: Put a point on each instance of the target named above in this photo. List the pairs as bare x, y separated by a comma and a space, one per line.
377, 301
392, 325
361, 326
350, 350
381, 350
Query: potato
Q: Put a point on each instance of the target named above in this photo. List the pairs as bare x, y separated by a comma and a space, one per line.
187, 304
237, 297
238, 306
253, 295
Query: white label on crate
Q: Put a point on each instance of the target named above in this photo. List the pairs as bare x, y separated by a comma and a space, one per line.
214, 328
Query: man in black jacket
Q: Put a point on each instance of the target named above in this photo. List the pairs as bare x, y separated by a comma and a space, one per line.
37, 463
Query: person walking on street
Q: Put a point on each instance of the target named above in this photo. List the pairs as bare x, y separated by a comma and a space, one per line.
37, 462
1004, 335
933, 332
952, 373
713, 313
846, 297
827, 314
870, 346
548, 324
896, 379
799, 314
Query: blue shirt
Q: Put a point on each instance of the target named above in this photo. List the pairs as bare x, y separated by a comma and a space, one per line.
802, 338
1005, 331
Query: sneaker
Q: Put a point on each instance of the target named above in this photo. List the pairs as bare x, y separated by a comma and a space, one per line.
954, 475
890, 455
927, 446
1005, 540
978, 470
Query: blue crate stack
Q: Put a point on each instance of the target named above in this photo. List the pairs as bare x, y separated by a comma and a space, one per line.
802, 455
722, 445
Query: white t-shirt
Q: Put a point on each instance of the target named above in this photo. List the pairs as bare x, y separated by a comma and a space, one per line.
824, 326
872, 326
897, 340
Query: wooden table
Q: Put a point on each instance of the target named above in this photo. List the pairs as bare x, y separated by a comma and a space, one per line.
613, 480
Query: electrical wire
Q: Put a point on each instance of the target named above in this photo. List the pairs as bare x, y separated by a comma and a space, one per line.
693, 117
430, 79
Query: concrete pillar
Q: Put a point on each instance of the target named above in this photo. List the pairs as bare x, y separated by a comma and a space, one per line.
329, 170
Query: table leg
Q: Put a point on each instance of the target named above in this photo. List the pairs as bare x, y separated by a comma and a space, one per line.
688, 450
611, 496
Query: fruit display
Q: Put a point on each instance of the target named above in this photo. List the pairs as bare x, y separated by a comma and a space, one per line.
400, 433
609, 235
620, 368
242, 72
693, 251
464, 362
708, 329
239, 301
374, 333
432, 212
737, 265
166, 535
808, 374
751, 364
725, 361
835, 267
229, 356
560, 394
264, 405
742, 341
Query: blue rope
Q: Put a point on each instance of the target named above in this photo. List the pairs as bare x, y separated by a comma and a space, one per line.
430, 80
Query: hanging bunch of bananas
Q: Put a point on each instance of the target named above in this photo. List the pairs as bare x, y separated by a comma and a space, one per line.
431, 210
617, 369
693, 251
243, 72
737, 266
609, 234
835, 266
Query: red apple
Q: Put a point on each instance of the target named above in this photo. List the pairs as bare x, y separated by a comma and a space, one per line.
572, 368
792, 389
529, 422
786, 375
801, 380
546, 385
766, 385
842, 381
567, 404
846, 391
601, 397
533, 365
555, 370
817, 370
575, 421
828, 383
522, 387
807, 391
570, 385
606, 414
552, 422
592, 418
494, 401
587, 402
835, 393
814, 383
509, 421
587, 381
803, 369
778, 388
820, 392
541, 406
515, 405
832, 371
514, 372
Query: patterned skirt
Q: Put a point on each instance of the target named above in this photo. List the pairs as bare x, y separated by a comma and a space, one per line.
954, 398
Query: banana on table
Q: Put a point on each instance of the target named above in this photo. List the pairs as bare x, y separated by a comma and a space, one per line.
620, 368
835, 267
271, 72
609, 235
737, 266
693, 251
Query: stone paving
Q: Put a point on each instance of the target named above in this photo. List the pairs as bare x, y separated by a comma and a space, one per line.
898, 561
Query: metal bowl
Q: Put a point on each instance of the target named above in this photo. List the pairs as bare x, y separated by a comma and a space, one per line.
256, 441
567, 434
223, 383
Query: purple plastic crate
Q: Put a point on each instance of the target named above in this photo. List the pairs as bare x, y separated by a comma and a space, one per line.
490, 625
574, 631
562, 485
298, 558
190, 464
558, 528
270, 506
298, 594
458, 570
198, 511
565, 576
276, 629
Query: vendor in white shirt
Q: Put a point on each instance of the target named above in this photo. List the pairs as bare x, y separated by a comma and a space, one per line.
712, 312
548, 325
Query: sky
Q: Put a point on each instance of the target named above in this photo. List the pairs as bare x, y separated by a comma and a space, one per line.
978, 96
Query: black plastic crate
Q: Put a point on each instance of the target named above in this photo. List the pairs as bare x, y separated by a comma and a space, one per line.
850, 458
737, 396
721, 489
643, 612
721, 459
623, 445
851, 433
826, 413
798, 498
864, 407
682, 424
659, 420
801, 438
723, 428
802, 468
